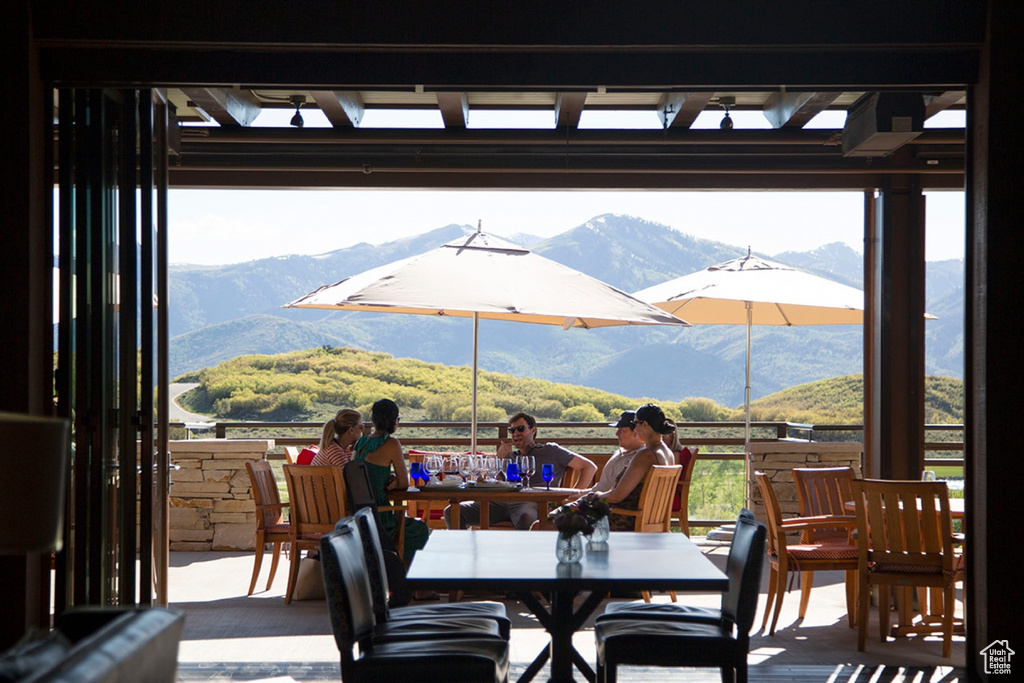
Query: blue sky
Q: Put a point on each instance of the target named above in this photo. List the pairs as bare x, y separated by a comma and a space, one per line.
232, 226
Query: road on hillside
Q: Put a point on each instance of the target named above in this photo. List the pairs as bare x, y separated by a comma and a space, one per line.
179, 414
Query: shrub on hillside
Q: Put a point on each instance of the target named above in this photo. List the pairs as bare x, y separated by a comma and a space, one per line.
582, 413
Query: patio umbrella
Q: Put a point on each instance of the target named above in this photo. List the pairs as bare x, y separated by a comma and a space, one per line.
752, 291
482, 276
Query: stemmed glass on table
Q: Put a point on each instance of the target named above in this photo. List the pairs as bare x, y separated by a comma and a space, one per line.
416, 473
491, 469
527, 466
434, 464
547, 471
466, 467
511, 471
450, 465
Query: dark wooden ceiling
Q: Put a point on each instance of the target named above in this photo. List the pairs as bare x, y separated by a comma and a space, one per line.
222, 65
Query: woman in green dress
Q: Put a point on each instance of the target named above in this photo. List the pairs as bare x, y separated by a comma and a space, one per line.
385, 464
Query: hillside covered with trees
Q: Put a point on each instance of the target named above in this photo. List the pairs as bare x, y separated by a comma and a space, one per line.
311, 385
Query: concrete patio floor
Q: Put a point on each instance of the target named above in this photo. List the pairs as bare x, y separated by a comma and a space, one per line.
229, 636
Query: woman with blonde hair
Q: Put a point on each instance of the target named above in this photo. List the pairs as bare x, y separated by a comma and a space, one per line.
340, 435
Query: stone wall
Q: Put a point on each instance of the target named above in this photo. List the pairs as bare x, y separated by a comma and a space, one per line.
778, 458
212, 506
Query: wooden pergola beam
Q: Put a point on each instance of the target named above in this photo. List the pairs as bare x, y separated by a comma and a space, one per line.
454, 108
680, 110
344, 109
795, 109
933, 104
569, 108
227, 106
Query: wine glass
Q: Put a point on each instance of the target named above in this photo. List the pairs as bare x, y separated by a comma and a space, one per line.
415, 473
451, 465
429, 466
547, 471
512, 470
466, 467
436, 465
527, 466
491, 468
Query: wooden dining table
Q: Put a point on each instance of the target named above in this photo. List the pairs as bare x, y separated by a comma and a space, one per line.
524, 563
453, 495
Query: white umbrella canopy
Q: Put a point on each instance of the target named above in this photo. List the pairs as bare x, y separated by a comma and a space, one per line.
779, 295
752, 291
482, 276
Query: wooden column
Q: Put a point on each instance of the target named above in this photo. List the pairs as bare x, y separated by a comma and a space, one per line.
25, 278
872, 306
897, 344
994, 372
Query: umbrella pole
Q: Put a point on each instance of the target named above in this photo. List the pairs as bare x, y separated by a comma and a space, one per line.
746, 400
476, 339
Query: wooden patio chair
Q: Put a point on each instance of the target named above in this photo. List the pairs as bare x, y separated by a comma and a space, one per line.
681, 500
805, 558
270, 524
654, 513
316, 494
824, 491
905, 540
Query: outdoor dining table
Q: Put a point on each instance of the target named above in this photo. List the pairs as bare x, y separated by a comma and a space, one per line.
453, 495
524, 562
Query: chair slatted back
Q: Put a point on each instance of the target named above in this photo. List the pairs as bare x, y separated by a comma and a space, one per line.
687, 458
904, 525
824, 491
656, 498
776, 537
265, 494
317, 497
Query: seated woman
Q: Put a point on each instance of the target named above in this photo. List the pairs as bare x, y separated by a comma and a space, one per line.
385, 464
650, 424
340, 434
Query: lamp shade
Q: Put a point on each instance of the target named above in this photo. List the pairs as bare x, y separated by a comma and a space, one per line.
33, 471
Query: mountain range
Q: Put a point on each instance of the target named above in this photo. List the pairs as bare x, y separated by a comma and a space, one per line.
219, 312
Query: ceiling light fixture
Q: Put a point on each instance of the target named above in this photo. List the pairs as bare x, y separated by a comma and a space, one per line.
297, 102
726, 102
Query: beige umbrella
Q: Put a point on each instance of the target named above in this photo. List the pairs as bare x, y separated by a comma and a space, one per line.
752, 291
482, 276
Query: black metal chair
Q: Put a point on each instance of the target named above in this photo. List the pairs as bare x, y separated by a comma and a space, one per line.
652, 641
347, 586
360, 496
680, 612
379, 579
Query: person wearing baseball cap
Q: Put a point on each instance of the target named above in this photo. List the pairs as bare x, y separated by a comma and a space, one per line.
649, 423
629, 445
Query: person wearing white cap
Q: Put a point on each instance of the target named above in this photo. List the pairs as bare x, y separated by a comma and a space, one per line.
629, 445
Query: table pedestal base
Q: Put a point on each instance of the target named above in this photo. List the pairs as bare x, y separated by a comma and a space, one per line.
561, 621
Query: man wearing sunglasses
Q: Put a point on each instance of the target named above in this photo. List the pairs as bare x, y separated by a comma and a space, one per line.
523, 428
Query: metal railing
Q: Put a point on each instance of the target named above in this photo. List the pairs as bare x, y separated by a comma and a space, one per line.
721, 441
